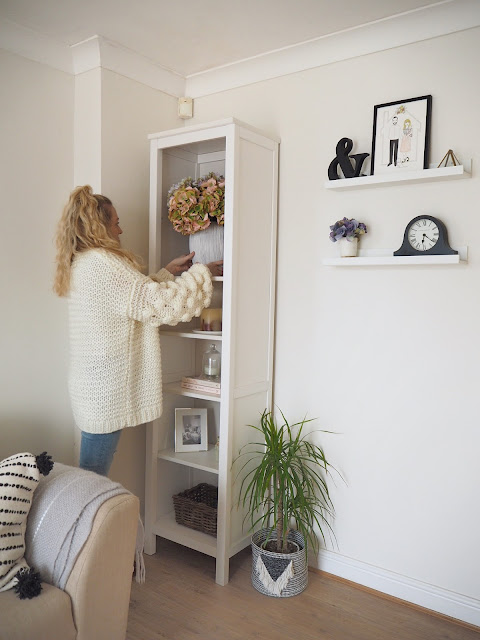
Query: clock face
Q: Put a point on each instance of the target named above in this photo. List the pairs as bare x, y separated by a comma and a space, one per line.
423, 234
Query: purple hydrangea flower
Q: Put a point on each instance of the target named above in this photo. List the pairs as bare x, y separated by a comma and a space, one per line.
347, 228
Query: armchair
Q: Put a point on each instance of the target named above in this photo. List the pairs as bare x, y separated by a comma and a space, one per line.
93, 603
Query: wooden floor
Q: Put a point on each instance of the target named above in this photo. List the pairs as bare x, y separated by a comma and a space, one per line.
180, 601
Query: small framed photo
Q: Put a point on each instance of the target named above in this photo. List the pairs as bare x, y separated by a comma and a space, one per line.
191, 430
401, 135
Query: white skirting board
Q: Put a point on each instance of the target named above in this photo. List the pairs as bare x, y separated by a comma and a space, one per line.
420, 593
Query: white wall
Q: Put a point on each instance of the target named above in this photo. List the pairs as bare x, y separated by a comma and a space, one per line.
36, 170
110, 117
386, 357
130, 111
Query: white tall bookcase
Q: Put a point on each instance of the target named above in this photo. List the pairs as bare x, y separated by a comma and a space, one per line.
249, 161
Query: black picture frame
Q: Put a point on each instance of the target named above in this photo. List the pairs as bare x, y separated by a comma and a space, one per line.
401, 135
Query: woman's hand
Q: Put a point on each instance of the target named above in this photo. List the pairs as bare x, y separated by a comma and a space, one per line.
180, 264
216, 268
183, 263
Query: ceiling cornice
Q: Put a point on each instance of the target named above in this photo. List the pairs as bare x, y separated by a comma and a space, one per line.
429, 22
413, 26
100, 52
35, 46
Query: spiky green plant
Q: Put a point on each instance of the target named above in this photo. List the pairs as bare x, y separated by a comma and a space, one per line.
288, 484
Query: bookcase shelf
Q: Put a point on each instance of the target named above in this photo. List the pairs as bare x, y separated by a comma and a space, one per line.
191, 334
249, 161
204, 460
168, 528
176, 387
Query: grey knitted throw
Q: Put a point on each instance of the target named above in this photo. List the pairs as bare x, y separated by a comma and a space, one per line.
60, 520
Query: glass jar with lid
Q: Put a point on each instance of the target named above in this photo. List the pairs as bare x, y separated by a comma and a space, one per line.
211, 363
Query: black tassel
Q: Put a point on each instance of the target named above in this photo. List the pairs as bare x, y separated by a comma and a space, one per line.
44, 463
29, 584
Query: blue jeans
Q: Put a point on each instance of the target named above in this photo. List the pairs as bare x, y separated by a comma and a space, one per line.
97, 451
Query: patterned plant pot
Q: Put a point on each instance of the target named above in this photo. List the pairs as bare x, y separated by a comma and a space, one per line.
280, 575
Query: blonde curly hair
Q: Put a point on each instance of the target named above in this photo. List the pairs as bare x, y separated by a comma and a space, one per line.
84, 224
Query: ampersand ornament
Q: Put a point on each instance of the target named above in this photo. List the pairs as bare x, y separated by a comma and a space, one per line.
343, 148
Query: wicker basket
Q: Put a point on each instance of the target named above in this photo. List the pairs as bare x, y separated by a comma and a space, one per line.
298, 570
196, 508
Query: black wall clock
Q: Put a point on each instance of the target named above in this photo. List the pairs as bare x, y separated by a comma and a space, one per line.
425, 236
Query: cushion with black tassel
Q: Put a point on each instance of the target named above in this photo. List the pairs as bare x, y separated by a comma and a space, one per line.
19, 477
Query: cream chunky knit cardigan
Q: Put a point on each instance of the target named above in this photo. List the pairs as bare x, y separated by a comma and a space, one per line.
115, 377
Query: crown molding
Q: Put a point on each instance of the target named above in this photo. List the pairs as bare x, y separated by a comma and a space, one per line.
442, 18
97, 51
429, 22
89, 54
86, 55
35, 46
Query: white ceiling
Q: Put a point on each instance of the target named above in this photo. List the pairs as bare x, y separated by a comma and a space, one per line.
193, 36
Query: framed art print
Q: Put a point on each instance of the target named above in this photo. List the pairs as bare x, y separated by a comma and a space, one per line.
191, 430
401, 135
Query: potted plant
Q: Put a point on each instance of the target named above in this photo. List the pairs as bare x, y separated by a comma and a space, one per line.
347, 231
192, 207
284, 489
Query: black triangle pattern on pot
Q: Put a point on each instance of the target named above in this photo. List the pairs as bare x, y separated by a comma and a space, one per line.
275, 566
273, 587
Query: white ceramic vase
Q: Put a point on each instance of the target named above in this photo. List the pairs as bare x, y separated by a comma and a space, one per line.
348, 249
207, 244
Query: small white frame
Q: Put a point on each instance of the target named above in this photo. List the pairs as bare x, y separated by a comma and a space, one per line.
191, 433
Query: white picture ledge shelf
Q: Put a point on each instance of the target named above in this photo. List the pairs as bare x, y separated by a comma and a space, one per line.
377, 257
425, 175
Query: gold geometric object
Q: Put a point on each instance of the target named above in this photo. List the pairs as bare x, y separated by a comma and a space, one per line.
449, 156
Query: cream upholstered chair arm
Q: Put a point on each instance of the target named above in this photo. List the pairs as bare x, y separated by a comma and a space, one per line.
100, 582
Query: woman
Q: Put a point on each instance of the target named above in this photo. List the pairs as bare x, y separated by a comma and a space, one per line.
114, 313
407, 135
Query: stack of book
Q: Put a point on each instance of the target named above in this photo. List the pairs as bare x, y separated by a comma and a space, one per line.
197, 383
